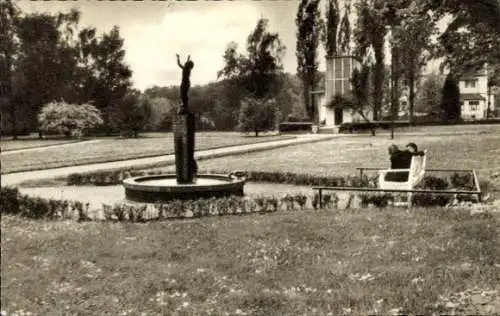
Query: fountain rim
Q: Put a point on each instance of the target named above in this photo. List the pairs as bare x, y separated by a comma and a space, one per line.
137, 183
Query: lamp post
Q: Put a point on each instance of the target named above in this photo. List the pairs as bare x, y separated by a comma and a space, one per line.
488, 109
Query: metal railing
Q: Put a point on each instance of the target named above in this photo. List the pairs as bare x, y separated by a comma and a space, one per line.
477, 192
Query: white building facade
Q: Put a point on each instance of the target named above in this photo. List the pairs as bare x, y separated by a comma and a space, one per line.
475, 97
337, 82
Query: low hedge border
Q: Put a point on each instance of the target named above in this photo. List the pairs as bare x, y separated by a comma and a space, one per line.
15, 203
455, 181
12, 202
114, 177
385, 125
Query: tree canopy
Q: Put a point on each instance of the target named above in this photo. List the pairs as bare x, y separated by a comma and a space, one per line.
309, 30
259, 70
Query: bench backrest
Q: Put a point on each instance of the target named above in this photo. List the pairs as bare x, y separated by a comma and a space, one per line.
417, 168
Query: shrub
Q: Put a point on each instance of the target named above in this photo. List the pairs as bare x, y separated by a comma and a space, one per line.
432, 183
464, 182
74, 179
69, 119
9, 200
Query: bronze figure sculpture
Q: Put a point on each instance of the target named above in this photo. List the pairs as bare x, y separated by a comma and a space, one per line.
184, 130
185, 83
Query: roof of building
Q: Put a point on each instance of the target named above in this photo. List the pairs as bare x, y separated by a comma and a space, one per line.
474, 73
472, 96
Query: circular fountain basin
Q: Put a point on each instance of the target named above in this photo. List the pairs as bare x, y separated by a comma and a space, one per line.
162, 188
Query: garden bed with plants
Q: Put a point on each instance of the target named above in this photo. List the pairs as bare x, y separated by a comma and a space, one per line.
235, 205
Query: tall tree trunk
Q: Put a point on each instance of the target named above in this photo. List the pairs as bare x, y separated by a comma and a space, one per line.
378, 91
396, 82
307, 100
411, 100
8, 92
394, 88
313, 109
13, 119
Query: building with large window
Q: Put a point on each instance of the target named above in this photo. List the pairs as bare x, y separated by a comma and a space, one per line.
337, 82
475, 97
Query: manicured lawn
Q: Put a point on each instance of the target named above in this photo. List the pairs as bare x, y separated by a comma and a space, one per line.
32, 143
304, 263
341, 156
445, 129
112, 149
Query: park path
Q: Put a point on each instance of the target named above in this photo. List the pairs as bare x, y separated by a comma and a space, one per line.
22, 150
18, 177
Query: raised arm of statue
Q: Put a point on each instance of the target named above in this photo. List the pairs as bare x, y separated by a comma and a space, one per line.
179, 61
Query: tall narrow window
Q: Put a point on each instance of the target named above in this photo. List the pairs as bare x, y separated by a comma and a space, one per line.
338, 68
470, 83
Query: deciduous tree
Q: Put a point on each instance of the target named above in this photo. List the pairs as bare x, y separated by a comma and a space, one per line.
131, 114
258, 71
258, 115
413, 38
370, 31
9, 44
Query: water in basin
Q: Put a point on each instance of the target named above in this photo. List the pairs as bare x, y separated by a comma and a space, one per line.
173, 182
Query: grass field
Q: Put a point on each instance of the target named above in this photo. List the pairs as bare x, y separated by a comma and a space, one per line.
8, 145
304, 263
112, 149
445, 129
331, 262
342, 155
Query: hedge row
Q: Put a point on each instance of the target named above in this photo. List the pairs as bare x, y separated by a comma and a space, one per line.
455, 181
295, 127
368, 126
117, 176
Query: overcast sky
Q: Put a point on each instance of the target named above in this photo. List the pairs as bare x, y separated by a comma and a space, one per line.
154, 31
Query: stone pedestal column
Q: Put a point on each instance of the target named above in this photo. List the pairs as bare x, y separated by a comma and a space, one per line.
184, 147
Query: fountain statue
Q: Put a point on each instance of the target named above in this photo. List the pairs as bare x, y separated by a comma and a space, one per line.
183, 124
186, 184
